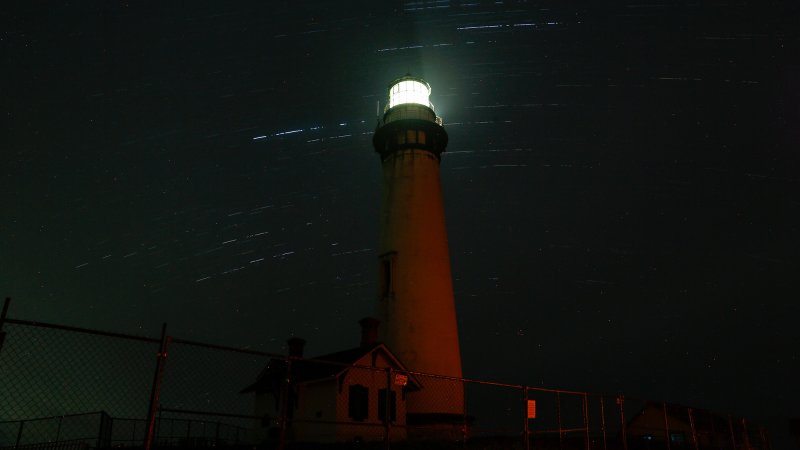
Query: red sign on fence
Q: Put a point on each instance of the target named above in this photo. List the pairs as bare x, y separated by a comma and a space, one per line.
531, 409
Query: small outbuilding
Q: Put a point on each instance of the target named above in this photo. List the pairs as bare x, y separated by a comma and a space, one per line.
687, 428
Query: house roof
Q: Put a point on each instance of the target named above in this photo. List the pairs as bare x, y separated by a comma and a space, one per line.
324, 367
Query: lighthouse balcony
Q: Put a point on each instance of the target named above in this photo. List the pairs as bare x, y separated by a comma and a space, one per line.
411, 111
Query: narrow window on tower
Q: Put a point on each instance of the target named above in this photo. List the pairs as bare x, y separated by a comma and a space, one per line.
411, 136
421, 136
401, 137
387, 275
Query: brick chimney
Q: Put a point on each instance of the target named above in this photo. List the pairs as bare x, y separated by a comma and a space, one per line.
296, 345
369, 331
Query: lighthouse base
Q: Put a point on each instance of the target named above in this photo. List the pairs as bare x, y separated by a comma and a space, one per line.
437, 427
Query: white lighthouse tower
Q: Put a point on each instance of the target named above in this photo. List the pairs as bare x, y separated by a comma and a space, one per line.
415, 299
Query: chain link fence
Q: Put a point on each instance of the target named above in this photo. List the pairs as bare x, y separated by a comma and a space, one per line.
66, 388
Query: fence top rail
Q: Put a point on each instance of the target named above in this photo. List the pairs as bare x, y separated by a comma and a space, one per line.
33, 323
226, 348
203, 413
60, 416
499, 384
565, 391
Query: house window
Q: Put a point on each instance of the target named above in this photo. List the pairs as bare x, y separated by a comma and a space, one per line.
421, 136
358, 402
382, 405
411, 136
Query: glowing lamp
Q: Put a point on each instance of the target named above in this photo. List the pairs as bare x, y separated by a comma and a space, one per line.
409, 89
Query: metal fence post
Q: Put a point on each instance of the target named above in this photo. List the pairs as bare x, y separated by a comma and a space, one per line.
3, 320
388, 407
58, 429
464, 425
603, 422
623, 427
104, 434
746, 434
526, 429
155, 393
763, 434
730, 427
558, 417
666, 424
691, 424
586, 419
19, 433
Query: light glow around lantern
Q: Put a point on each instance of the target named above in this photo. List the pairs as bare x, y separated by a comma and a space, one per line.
409, 91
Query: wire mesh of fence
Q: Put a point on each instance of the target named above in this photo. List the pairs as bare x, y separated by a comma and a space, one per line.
65, 388
70, 429
199, 377
51, 371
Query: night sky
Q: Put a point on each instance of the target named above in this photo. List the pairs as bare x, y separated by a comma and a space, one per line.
621, 184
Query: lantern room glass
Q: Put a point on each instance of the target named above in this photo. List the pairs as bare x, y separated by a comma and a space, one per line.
409, 91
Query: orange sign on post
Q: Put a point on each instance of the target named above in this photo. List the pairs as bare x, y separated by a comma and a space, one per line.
531, 409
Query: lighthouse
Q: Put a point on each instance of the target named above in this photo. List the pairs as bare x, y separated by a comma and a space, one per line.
415, 290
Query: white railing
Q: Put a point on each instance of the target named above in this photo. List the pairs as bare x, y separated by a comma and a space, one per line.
429, 105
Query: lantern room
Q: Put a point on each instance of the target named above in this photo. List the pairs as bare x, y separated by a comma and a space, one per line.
409, 89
